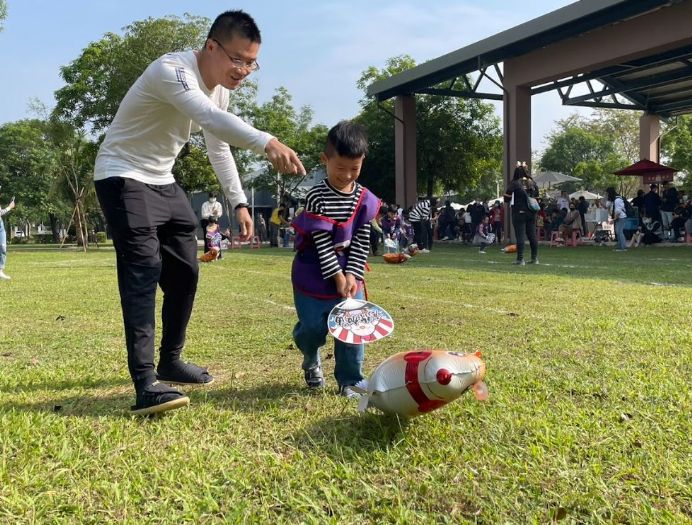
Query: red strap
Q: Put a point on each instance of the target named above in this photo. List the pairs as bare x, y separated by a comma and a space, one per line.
413, 360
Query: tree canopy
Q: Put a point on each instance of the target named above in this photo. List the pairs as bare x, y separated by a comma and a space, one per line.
3, 13
459, 141
98, 79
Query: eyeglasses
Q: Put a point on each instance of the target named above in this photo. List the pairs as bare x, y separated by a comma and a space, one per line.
237, 62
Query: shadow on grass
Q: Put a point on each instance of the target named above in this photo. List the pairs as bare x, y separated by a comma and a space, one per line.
348, 435
114, 404
66, 384
256, 398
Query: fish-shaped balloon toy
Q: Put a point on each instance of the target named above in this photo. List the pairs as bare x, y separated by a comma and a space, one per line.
420, 381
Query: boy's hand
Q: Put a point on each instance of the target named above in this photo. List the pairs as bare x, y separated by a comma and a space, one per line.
341, 285
351, 285
11, 204
283, 158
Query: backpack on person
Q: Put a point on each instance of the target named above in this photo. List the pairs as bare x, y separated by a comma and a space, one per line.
629, 209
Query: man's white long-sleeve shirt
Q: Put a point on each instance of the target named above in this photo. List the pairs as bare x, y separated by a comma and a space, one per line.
154, 121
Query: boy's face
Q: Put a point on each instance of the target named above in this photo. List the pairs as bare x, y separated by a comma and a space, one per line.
342, 172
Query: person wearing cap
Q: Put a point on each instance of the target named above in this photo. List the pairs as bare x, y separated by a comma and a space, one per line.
149, 216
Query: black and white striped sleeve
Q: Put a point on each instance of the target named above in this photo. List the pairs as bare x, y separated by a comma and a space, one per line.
329, 265
358, 253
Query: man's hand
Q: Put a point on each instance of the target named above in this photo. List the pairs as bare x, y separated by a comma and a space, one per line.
283, 158
245, 221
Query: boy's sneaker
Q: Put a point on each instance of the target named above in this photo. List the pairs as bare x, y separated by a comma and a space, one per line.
533, 261
481, 251
314, 378
349, 391
4, 276
182, 373
157, 398
424, 250
519, 263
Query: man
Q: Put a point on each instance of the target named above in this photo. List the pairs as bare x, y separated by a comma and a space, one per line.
150, 219
652, 204
210, 208
420, 218
669, 201
276, 221
563, 201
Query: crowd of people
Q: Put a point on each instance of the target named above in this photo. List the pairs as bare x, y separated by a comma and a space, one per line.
661, 218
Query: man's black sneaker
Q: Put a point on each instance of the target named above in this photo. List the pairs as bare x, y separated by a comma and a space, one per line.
314, 377
533, 261
157, 398
182, 373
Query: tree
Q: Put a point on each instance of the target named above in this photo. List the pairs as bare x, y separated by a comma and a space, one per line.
73, 183
459, 140
27, 168
586, 149
676, 145
294, 128
98, 79
3, 13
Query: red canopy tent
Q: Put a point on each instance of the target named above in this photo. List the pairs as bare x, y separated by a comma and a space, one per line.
651, 172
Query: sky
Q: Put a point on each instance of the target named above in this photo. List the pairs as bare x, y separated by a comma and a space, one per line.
316, 49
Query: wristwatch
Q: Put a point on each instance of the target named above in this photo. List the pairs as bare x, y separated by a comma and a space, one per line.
242, 205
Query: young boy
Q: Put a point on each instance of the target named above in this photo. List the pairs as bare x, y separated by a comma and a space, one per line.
332, 241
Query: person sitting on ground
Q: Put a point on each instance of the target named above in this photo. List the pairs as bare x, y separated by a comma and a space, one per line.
391, 229
571, 223
483, 236
677, 225
652, 231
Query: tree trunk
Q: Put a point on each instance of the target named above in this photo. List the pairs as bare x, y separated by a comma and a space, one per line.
79, 226
54, 227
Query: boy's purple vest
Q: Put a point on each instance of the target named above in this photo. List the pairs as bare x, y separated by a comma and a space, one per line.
306, 273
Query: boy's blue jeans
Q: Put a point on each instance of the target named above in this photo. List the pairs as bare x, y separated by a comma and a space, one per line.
310, 333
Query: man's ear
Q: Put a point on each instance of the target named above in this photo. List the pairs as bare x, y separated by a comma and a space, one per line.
323, 158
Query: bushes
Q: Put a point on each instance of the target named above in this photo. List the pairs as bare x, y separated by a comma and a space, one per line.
101, 237
43, 238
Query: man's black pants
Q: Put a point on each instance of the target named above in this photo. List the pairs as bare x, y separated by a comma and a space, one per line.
153, 231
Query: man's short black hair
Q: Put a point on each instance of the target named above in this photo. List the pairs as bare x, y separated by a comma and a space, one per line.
347, 139
234, 23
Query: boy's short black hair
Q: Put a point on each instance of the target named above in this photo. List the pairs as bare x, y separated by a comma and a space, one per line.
234, 23
347, 139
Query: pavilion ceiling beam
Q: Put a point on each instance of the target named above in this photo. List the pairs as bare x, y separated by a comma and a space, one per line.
458, 93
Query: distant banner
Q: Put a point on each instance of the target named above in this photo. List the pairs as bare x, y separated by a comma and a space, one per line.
656, 179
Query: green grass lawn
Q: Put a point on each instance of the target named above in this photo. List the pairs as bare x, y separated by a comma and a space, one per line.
589, 369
